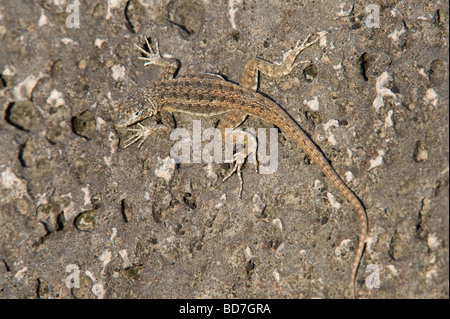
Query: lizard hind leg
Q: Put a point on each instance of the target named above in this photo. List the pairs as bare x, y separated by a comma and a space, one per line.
249, 76
245, 144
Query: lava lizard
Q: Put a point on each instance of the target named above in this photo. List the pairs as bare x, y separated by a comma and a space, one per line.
212, 95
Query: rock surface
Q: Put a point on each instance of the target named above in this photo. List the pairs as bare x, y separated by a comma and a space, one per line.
374, 97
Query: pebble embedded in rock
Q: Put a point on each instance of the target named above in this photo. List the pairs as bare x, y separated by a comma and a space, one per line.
56, 134
23, 115
421, 152
84, 124
310, 72
48, 215
85, 221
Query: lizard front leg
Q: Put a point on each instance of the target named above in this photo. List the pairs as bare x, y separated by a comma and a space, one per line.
143, 132
169, 65
133, 111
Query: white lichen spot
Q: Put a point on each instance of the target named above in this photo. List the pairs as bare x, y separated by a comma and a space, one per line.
248, 253
99, 42
388, 122
278, 224
423, 73
99, 123
348, 176
68, 41
393, 270
327, 128
114, 234
432, 273
343, 248
383, 91
209, 171
331, 123
113, 4
312, 104
126, 261
349, 153
333, 202
323, 38
23, 90
318, 185
42, 19
10, 182
258, 205
165, 168
431, 97
105, 259
339, 71
56, 98
70, 210
371, 241
9, 70
118, 72
97, 289
276, 276
378, 160
433, 241
344, 10
222, 201
332, 139
87, 195
395, 35
232, 10
21, 273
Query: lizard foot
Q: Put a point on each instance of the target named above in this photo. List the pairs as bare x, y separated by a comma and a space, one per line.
243, 152
302, 45
152, 57
142, 133
238, 170
169, 64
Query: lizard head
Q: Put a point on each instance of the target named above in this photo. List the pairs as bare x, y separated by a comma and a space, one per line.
133, 108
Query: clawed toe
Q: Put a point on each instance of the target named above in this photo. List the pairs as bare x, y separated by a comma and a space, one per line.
142, 133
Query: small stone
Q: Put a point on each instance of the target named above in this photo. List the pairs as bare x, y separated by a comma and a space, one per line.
165, 168
85, 221
42, 289
84, 124
258, 206
96, 200
314, 117
437, 70
421, 152
310, 72
127, 209
23, 115
48, 215
56, 134
189, 200
21, 205
134, 271
26, 154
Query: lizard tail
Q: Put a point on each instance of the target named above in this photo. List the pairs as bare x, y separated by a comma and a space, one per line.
287, 124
